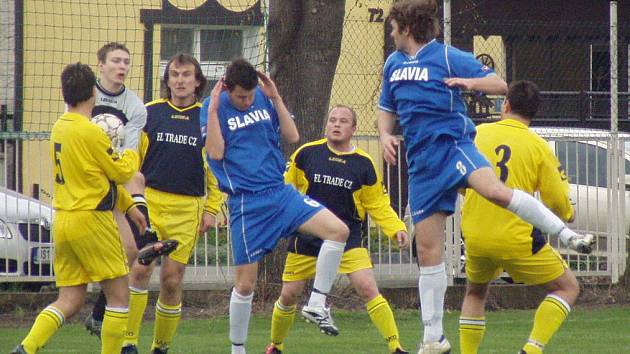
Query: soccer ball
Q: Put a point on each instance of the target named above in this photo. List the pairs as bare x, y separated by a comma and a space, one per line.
112, 126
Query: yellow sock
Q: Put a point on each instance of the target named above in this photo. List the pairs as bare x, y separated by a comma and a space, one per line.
383, 318
46, 324
166, 320
113, 330
471, 331
281, 322
137, 304
549, 316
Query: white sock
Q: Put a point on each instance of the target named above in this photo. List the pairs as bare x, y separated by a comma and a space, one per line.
536, 213
432, 288
565, 235
238, 349
326, 271
240, 310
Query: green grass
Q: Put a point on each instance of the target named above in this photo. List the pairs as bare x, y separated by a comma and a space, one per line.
599, 331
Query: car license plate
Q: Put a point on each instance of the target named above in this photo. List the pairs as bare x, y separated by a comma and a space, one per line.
43, 255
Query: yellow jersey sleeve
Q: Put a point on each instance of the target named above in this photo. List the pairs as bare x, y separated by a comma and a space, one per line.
294, 175
214, 196
554, 185
143, 146
374, 200
125, 201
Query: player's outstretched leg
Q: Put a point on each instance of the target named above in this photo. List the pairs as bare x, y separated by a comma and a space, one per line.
325, 225
485, 182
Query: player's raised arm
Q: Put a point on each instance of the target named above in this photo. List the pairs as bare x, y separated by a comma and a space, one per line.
389, 143
288, 130
491, 84
215, 145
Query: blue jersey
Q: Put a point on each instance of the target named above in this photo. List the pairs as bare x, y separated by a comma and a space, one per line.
414, 89
252, 161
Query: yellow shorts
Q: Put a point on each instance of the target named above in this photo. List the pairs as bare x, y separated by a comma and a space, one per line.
87, 247
542, 267
301, 267
175, 217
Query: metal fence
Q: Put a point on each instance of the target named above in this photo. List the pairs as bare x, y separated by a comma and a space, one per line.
597, 165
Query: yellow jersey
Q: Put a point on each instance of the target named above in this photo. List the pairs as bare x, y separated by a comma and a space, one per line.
524, 161
87, 170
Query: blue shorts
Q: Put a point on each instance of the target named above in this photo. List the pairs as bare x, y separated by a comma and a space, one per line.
259, 220
438, 171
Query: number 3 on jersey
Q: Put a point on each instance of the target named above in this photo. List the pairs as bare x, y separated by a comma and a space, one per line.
58, 172
501, 164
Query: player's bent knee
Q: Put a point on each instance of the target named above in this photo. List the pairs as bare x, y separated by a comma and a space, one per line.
476, 290
367, 291
244, 289
341, 232
289, 297
171, 282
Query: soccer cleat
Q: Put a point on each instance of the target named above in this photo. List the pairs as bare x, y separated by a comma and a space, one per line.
93, 326
440, 347
321, 317
400, 351
582, 243
271, 349
129, 349
19, 350
162, 350
149, 253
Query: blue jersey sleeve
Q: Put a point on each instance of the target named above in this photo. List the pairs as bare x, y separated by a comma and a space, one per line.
465, 65
203, 117
386, 101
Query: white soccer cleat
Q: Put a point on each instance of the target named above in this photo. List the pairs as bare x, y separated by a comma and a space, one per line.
440, 347
582, 243
322, 318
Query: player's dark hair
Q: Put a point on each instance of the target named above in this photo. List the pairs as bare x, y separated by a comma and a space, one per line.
524, 98
352, 112
77, 83
240, 72
101, 54
182, 59
420, 16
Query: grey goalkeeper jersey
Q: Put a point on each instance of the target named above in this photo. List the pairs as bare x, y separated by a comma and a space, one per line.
127, 106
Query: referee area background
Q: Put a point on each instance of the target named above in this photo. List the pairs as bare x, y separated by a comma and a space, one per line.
562, 46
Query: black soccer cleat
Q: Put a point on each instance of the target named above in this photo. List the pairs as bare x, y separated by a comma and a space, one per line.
129, 349
400, 351
149, 253
271, 349
162, 350
93, 326
19, 350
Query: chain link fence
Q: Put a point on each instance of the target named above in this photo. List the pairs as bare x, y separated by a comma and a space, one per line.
562, 47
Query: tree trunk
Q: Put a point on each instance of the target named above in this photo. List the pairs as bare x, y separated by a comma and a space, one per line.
304, 38
304, 47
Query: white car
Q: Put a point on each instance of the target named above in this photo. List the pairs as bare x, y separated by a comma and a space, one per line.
584, 155
25, 242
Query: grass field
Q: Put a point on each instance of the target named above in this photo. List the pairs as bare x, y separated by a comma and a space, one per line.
602, 331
